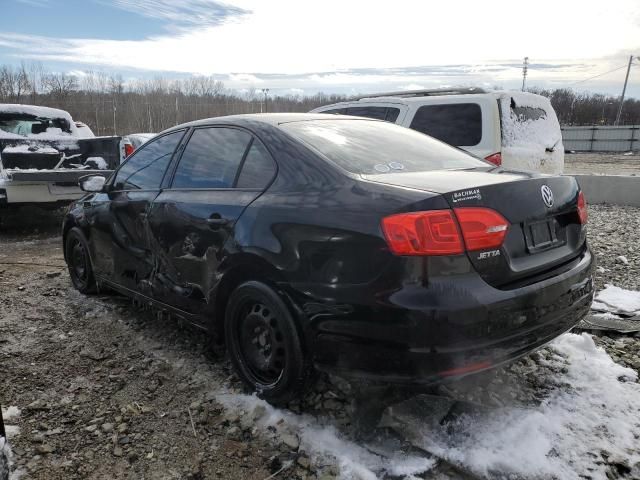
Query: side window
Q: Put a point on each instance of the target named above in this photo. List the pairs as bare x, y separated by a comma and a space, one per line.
258, 168
211, 158
336, 111
392, 114
379, 113
458, 124
145, 168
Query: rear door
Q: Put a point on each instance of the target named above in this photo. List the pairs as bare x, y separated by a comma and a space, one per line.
220, 172
119, 226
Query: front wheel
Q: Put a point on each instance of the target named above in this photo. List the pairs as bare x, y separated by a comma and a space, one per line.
263, 343
79, 262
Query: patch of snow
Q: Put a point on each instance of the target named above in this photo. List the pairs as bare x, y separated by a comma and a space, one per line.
36, 110
83, 131
591, 410
321, 442
101, 163
10, 413
94, 184
525, 140
623, 259
42, 149
45, 112
616, 299
596, 413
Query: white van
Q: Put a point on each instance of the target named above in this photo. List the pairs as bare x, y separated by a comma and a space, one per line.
519, 131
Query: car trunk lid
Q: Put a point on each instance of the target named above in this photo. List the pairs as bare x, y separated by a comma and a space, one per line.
544, 231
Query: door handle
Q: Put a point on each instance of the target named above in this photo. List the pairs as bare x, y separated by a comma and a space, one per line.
216, 220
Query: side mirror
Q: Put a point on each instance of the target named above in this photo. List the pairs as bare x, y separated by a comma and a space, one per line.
92, 183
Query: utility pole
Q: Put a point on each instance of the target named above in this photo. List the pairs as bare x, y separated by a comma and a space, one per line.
114, 119
525, 68
624, 90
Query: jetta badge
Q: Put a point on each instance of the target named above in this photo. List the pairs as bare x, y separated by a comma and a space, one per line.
547, 196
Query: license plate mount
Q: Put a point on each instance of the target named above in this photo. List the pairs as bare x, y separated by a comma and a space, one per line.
542, 235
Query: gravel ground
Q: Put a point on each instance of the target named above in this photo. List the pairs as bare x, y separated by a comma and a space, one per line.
107, 390
602, 163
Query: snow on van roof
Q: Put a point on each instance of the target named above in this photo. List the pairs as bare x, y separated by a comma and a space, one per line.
35, 110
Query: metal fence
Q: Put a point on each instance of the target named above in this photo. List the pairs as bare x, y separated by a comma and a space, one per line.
601, 139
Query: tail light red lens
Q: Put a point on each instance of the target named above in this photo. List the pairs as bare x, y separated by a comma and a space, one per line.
443, 232
128, 149
583, 214
496, 159
482, 228
423, 233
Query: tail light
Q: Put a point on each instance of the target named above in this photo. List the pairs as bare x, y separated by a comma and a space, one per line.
496, 159
444, 232
583, 214
482, 228
423, 233
128, 149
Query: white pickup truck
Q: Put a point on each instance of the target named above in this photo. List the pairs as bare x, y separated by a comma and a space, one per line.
43, 153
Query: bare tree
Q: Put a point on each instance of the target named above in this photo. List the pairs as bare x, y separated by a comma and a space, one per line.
59, 85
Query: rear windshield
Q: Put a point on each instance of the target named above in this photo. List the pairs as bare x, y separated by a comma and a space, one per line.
370, 147
25, 124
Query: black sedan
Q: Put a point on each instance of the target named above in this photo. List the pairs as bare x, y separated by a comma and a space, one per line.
343, 244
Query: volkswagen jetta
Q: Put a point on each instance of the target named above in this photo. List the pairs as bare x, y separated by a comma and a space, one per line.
344, 244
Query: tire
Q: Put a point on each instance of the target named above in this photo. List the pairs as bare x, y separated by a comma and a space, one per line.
263, 343
79, 261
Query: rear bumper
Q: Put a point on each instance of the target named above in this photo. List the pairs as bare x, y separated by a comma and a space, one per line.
452, 327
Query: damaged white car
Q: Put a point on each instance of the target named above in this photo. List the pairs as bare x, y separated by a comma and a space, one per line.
43, 152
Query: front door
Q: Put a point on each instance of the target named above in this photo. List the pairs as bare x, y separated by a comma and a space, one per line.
121, 233
221, 171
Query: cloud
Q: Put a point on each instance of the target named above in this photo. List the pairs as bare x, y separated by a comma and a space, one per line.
319, 45
35, 3
244, 78
181, 14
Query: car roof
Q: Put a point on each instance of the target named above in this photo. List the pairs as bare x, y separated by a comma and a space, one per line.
274, 119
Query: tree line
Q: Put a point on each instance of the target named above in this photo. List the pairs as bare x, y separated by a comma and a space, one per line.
111, 106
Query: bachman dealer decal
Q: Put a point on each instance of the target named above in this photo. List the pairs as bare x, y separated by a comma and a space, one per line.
473, 194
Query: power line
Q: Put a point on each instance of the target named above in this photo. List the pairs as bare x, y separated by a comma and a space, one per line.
599, 75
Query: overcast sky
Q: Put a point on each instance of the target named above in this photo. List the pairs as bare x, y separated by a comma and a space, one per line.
345, 46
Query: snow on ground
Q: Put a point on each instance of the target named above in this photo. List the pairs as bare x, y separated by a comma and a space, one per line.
9, 414
615, 299
565, 436
6, 455
592, 410
324, 441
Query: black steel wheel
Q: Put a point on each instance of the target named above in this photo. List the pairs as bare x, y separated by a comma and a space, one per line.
264, 344
79, 261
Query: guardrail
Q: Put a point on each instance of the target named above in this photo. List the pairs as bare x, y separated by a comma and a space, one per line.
623, 138
610, 189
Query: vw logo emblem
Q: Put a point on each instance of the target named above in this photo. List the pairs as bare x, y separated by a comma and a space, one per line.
547, 196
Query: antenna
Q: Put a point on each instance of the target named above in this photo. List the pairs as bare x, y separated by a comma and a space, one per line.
525, 68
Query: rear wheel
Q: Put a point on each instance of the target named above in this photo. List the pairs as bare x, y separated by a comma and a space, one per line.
263, 343
79, 262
